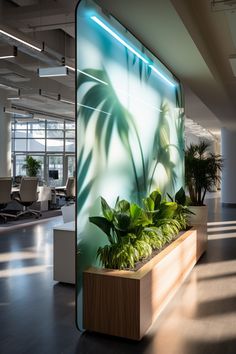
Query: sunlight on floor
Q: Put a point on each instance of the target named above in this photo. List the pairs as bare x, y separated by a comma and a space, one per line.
231, 222
13, 272
13, 256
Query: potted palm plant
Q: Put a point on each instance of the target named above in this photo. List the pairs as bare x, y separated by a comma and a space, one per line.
201, 175
32, 166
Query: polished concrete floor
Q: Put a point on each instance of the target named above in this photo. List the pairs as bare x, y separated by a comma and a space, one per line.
37, 314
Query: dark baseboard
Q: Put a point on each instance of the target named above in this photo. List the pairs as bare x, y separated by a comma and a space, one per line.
228, 205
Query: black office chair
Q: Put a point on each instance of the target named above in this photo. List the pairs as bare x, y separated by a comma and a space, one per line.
27, 195
5, 197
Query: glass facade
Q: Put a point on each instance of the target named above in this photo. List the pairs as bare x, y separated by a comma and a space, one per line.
50, 142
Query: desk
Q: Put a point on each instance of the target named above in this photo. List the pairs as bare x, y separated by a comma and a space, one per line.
64, 253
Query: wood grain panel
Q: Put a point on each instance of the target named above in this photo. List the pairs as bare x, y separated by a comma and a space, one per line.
126, 303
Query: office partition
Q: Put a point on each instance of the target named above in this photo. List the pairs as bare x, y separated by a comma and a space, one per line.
130, 126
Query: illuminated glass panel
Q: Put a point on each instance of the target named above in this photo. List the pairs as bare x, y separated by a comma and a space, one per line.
129, 126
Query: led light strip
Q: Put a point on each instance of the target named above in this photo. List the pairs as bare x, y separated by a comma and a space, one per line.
119, 39
162, 76
21, 41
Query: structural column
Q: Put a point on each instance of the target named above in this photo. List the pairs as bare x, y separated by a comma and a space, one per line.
228, 143
5, 140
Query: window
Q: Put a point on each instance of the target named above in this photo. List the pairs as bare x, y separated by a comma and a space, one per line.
55, 163
71, 166
19, 165
48, 141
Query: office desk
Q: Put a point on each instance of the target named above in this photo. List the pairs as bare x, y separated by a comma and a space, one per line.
64, 253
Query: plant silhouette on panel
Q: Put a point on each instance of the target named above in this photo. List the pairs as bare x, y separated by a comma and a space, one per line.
161, 148
84, 180
179, 122
111, 114
133, 232
32, 166
144, 70
201, 171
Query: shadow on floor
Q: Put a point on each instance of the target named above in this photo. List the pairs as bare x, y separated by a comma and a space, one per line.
90, 343
216, 307
227, 346
219, 250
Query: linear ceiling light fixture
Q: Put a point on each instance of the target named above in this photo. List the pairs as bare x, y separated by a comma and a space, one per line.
32, 46
64, 100
118, 38
125, 44
70, 67
50, 96
17, 112
7, 87
53, 71
14, 97
8, 52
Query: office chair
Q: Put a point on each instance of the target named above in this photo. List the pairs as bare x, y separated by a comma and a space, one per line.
27, 195
68, 191
5, 197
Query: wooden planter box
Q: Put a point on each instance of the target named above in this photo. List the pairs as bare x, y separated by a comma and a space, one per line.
126, 303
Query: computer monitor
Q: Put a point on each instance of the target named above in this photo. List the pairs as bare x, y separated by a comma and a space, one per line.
53, 174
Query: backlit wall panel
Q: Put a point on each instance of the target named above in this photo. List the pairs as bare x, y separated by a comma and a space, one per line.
129, 126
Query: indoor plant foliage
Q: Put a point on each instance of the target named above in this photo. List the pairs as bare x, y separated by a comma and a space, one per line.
104, 98
134, 232
32, 166
201, 171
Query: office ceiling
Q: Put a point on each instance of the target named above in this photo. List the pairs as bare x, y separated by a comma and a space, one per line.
195, 42
193, 38
47, 22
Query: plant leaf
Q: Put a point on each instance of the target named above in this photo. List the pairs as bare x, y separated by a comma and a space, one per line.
107, 211
180, 196
103, 224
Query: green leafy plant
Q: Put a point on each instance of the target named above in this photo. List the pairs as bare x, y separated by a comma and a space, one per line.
182, 210
162, 213
201, 171
32, 166
124, 226
133, 232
